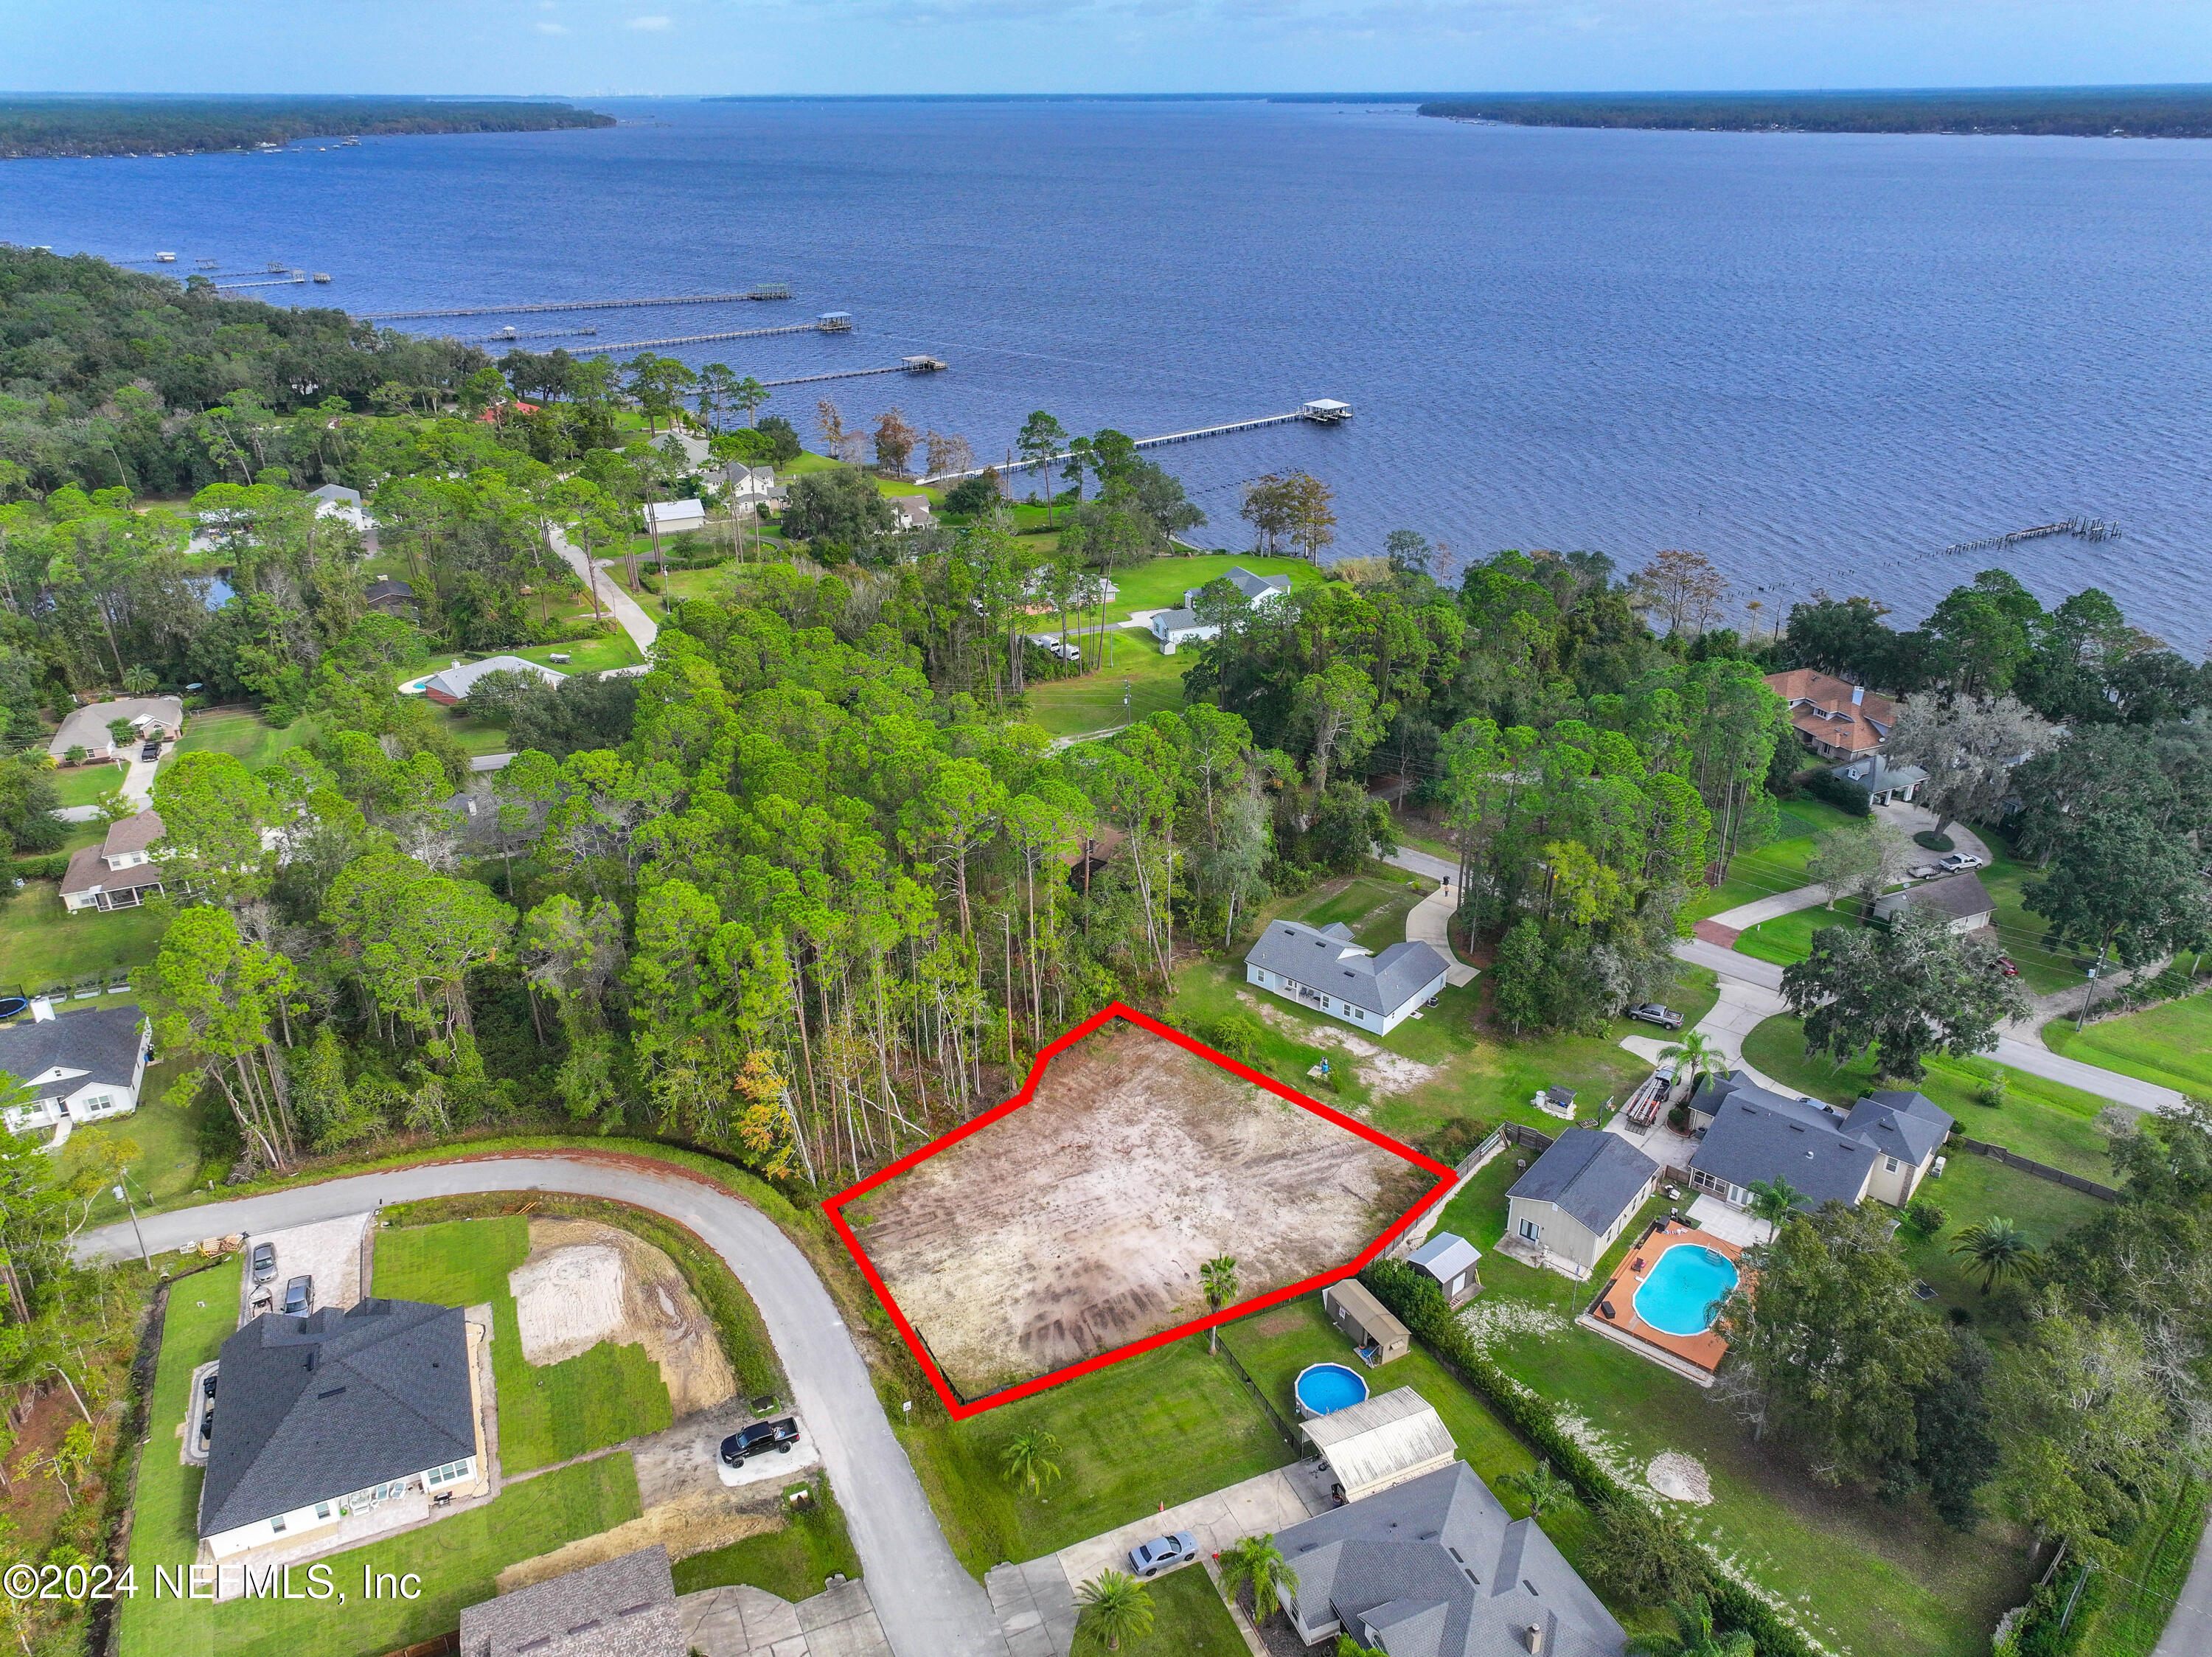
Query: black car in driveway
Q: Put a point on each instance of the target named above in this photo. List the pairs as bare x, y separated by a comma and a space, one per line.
758, 1440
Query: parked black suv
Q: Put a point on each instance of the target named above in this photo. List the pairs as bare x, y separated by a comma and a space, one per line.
152, 750
758, 1440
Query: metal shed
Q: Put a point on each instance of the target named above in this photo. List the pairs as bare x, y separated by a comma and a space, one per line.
1384, 1442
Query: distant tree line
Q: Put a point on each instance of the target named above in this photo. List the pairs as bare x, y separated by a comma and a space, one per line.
2137, 111
132, 126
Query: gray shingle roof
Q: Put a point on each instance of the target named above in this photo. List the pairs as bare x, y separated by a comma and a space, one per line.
332, 1402
624, 1607
1176, 621
455, 681
1907, 1125
87, 727
1336, 966
1760, 1135
1958, 896
105, 1045
1593, 1176
1436, 1568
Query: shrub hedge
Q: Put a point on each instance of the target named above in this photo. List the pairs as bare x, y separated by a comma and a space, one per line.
1840, 792
1418, 1303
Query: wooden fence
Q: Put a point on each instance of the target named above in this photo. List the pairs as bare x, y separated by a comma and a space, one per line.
2040, 1170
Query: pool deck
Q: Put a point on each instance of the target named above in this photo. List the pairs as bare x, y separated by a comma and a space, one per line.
1695, 1357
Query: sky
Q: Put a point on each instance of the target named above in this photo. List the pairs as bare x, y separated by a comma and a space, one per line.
609, 47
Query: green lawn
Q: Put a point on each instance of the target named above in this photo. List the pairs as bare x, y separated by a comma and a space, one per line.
792, 1564
2170, 1044
82, 785
2135, 1597
1975, 1188
1774, 867
1374, 906
241, 732
1188, 1619
1092, 701
1861, 1575
42, 944
457, 1558
476, 735
1160, 584
169, 1139
2039, 1118
2020, 934
1166, 1425
547, 1412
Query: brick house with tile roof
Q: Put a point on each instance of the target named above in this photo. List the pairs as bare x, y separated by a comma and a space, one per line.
1836, 719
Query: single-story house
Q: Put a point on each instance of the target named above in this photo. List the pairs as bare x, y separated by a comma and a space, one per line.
1835, 718
147, 715
676, 514
336, 1412
1961, 899
1321, 968
1451, 1262
1174, 627
1385, 1440
912, 511
394, 597
1370, 1325
336, 500
450, 689
624, 1607
1436, 1566
1883, 781
1575, 1198
1882, 1147
82, 1067
121, 872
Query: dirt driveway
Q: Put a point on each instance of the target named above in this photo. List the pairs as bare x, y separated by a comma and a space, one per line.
1077, 1223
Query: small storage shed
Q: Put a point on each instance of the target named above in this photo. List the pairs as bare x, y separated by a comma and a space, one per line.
1365, 1322
1450, 1260
1384, 1442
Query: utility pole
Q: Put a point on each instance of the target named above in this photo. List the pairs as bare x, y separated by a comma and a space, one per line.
124, 1197
2082, 1017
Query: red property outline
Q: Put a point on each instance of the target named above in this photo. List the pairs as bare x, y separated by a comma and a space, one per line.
834, 1208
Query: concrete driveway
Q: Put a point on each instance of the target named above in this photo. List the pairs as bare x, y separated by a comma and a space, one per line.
607, 593
929, 1606
1430, 919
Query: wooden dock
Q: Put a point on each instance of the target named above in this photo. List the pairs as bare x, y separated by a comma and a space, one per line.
911, 365
703, 338
1321, 411
2088, 529
556, 305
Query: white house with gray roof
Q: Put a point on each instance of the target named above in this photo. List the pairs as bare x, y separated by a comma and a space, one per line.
1174, 627
1436, 1567
1573, 1202
1882, 1147
1321, 968
79, 1067
623, 1607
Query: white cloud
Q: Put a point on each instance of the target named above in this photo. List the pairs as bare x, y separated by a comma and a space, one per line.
551, 28
649, 22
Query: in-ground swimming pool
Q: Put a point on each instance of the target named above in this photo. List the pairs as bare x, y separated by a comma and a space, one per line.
1324, 1388
1685, 1290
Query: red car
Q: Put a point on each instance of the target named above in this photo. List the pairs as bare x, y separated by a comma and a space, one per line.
2007, 966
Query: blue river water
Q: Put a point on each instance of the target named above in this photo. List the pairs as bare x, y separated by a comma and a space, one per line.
1819, 359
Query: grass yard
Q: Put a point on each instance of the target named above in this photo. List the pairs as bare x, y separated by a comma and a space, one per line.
1974, 1188
2039, 1118
476, 735
1862, 1576
169, 1141
1188, 1618
2135, 1597
1373, 904
1467, 1073
243, 733
42, 944
1166, 1425
82, 785
1092, 701
1161, 583
547, 1412
2170, 1044
1777, 866
458, 1557
791, 1564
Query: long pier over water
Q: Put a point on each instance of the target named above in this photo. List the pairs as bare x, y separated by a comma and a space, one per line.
1321, 411
561, 305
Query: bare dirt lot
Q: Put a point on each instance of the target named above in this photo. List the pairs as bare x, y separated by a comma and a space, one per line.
1077, 1223
585, 1282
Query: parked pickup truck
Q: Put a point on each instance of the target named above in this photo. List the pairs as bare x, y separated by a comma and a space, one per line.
758, 1440
1652, 1012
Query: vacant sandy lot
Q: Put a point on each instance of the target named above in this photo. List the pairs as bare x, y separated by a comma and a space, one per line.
585, 1282
1077, 1223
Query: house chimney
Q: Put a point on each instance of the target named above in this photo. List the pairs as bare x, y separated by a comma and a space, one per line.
1858, 694
42, 1010
1532, 1637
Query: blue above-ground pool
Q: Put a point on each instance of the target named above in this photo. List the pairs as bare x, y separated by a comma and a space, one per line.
1322, 1389
1685, 1290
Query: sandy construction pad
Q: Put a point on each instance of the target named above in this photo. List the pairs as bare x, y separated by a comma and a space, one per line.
585, 1283
1077, 1223
697, 1523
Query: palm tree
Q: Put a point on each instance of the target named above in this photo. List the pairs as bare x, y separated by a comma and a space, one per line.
1219, 1277
1773, 1200
1115, 1607
1028, 1460
1348, 1647
1694, 1055
1543, 1488
1998, 1251
139, 681
1693, 1635
1258, 1561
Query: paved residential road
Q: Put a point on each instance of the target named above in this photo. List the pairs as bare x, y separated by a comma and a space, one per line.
929, 1606
610, 595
